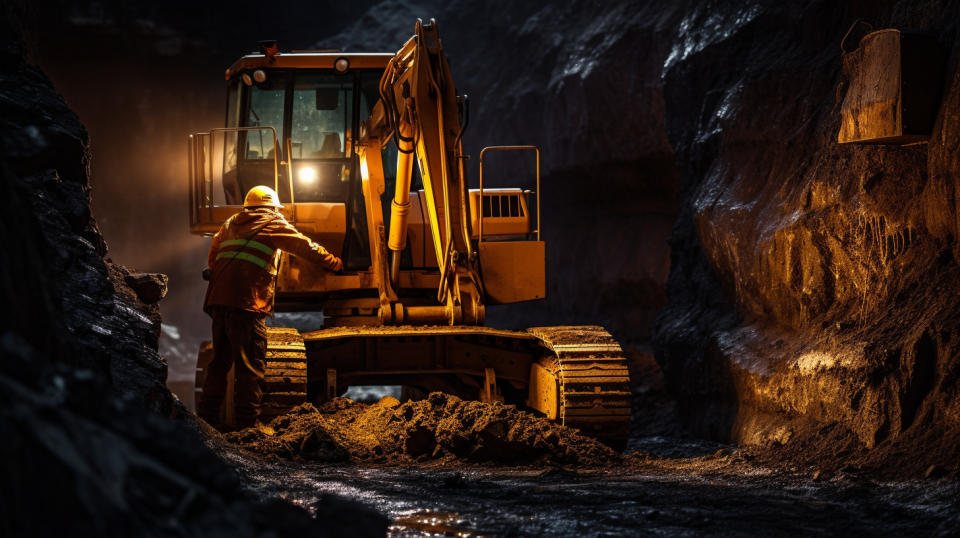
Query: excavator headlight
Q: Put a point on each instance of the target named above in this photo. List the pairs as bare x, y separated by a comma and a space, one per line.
307, 174
259, 75
246, 79
341, 65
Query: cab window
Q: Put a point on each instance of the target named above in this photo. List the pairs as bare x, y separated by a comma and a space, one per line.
320, 129
322, 115
265, 110
233, 120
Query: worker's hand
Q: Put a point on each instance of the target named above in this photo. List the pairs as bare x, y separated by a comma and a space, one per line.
338, 266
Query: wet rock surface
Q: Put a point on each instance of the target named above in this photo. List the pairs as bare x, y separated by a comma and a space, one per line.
666, 482
441, 429
692, 492
813, 292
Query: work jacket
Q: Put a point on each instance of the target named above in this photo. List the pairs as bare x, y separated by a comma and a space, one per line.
244, 256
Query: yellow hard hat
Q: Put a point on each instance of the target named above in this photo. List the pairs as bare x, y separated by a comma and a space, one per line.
261, 196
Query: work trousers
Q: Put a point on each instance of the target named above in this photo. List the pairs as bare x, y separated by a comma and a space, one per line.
239, 340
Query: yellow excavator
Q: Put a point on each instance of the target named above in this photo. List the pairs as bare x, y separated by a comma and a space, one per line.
337, 134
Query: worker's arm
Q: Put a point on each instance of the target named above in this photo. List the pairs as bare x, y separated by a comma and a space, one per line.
282, 235
214, 247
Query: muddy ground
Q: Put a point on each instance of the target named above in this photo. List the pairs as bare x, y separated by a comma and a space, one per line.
664, 483
688, 494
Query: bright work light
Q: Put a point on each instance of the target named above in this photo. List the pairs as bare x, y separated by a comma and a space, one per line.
307, 174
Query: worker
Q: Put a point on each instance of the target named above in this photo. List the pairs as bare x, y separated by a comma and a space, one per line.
242, 265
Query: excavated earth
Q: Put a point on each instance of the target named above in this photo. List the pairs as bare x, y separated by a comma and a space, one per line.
439, 429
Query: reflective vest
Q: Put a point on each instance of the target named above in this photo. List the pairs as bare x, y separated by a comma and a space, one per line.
244, 256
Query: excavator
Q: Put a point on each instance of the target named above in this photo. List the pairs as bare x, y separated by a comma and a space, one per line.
336, 134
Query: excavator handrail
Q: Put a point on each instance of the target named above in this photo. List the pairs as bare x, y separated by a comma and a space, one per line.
200, 168
536, 150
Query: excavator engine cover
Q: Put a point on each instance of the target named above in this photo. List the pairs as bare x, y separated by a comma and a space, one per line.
893, 93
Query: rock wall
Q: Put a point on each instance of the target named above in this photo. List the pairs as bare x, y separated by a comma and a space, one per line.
813, 292
85, 446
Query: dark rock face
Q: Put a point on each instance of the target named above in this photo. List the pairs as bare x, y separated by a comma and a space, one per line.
45, 158
85, 448
582, 82
813, 287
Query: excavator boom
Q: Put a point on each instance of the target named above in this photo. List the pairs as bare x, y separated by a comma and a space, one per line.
420, 111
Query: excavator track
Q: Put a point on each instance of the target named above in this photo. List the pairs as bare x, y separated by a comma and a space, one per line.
285, 381
594, 394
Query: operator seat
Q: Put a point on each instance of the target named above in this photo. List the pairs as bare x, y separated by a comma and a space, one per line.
330, 148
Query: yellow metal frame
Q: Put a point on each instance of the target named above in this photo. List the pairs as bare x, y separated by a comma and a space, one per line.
536, 150
310, 60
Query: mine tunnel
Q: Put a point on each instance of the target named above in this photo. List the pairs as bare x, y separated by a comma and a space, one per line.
480, 268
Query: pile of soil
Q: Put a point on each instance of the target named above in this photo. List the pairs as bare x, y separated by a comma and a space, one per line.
438, 429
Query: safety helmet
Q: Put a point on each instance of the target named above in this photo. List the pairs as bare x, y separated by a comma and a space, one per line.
261, 196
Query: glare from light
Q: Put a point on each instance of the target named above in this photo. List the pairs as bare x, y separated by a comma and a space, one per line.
307, 175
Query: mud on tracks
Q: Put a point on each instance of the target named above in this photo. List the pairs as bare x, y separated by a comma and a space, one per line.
438, 429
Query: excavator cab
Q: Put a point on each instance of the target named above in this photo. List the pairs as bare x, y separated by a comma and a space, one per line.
312, 113
290, 124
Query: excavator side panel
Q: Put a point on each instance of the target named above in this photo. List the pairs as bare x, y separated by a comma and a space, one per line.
513, 271
544, 393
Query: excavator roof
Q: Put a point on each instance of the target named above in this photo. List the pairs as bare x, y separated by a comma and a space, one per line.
310, 60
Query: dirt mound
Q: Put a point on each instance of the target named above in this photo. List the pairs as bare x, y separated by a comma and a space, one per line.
439, 428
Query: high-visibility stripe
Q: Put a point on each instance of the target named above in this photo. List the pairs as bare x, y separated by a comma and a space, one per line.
240, 255
247, 243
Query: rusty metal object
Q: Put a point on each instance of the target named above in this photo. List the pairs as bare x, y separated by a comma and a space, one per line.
895, 80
